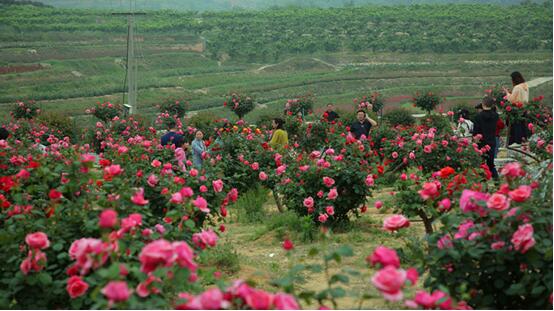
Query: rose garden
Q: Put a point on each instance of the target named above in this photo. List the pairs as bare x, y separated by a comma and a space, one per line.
109, 218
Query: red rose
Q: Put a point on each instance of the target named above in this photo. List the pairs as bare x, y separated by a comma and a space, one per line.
76, 287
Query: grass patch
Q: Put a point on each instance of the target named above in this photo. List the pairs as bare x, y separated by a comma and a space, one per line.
223, 258
288, 225
249, 206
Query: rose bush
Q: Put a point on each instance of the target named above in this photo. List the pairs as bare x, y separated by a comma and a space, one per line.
427, 101
241, 105
495, 248
22, 110
105, 111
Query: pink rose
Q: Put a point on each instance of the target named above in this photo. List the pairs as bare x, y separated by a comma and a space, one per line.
430, 190
412, 275
160, 228
281, 169
186, 192
37, 240
394, 155
330, 210
203, 189
395, 222
211, 299
155, 254
378, 204
445, 204
156, 163
322, 218
309, 202
205, 238
523, 239
233, 195
498, 202
184, 255
521, 194
384, 256
145, 288
217, 185
108, 218
116, 291
201, 204
259, 299
255, 166
283, 301
444, 242
113, 170
424, 300
463, 229
176, 198
333, 194
328, 181
152, 180
138, 198
498, 245
512, 170
262, 176
469, 199
76, 287
369, 181
390, 281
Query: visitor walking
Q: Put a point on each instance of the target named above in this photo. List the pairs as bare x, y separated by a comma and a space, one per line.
519, 94
198, 149
330, 115
280, 138
172, 137
362, 125
465, 125
4, 134
485, 125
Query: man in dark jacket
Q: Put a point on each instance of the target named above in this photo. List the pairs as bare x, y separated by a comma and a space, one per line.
330, 115
172, 137
485, 125
362, 125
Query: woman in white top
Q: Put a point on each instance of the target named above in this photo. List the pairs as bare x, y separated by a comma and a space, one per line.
519, 94
465, 125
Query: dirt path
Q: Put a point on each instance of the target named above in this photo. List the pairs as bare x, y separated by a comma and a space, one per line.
538, 81
262, 258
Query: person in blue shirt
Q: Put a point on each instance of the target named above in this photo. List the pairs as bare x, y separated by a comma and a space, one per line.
198, 148
172, 137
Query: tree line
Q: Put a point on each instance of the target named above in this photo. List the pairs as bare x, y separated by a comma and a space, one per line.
268, 35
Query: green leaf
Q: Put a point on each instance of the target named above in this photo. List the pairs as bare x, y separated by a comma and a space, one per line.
313, 251
345, 251
499, 283
337, 292
57, 247
190, 224
339, 278
44, 278
537, 290
315, 268
515, 289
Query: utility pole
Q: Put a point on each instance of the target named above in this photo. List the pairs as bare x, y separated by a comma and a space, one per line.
131, 61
